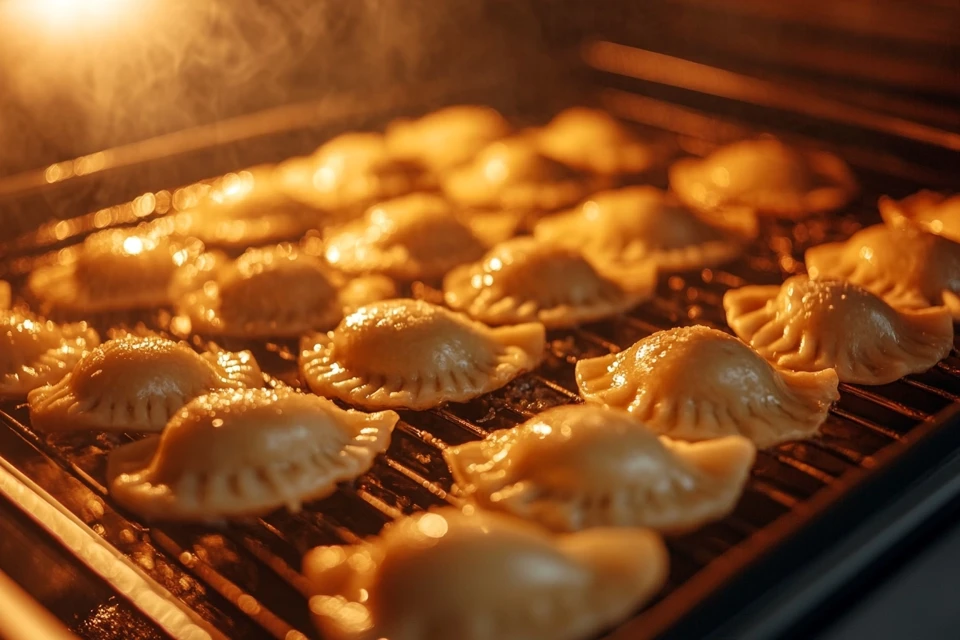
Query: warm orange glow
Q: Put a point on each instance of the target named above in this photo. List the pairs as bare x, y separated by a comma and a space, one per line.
74, 14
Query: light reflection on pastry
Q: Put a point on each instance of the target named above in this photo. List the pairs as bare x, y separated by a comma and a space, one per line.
525, 280
137, 383
696, 383
637, 224
445, 138
243, 453
766, 175
579, 466
444, 574
593, 140
113, 270
810, 325
266, 292
936, 212
413, 237
511, 174
350, 173
245, 209
35, 352
415, 355
906, 266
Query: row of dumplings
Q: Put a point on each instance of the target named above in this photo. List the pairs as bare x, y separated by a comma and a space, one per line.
435, 193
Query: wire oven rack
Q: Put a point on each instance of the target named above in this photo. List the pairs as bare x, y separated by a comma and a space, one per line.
804, 500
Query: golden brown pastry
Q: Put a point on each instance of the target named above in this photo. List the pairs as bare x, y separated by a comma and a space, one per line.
936, 212
593, 140
246, 452
243, 209
906, 266
637, 224
766, 175
810, 325
415, 355
137, 383
444, 574
511, 174
525, 280
266, 292
113, 270
446, 138
35, 352
696, 383
350, 173
5, 296
409, 238
579, 466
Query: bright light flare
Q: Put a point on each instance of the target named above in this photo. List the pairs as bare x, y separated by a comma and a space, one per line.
74, 16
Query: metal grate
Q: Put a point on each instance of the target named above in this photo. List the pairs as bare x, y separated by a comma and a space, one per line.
243, 579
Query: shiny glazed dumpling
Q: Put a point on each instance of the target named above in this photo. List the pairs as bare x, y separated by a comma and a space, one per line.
696, 383
636, 224
415, 355
593, 140
935, 212
512, 174
412, 237
35, 352
445, 574
243, 209
906, 266
349, 173
113, 270
524, 280
137, 383
266, 292
244, 453
579, 466
766, 175
446, 138
810, 325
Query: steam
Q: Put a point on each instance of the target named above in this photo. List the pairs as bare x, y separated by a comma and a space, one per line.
166, 65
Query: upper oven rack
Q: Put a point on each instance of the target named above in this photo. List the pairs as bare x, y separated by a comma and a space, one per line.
803, 498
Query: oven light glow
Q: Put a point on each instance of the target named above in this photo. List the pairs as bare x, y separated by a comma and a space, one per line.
74, 15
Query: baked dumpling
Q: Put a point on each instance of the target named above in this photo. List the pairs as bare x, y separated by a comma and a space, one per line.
245, 208
810, 325
935, 212
409, 238
579, 466
350, 173
636, 224
266, 292
593, 140
113, 270
35, 352
244, 453
415, 355
904, 265
5, 295
511, 174
696, 383
445, 574
446, 138
525, 280
136, 383
766, 175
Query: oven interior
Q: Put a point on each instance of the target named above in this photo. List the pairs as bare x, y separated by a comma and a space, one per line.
812, 512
